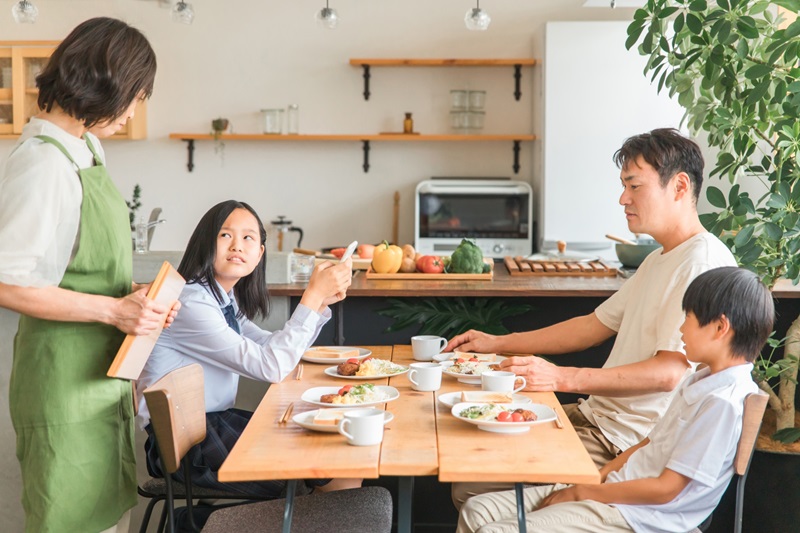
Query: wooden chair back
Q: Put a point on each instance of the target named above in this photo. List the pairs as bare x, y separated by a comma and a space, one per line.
754, 406
178, 414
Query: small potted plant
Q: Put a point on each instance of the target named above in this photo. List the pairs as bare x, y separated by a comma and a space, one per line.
218, 127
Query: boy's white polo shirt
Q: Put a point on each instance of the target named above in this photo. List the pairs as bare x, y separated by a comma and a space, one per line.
697, 438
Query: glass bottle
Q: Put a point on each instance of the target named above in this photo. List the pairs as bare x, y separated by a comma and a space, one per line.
408, 124
293, 119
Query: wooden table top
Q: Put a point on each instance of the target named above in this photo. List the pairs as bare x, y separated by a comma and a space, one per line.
422, 440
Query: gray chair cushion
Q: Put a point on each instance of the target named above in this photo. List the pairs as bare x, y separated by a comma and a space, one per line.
364, 510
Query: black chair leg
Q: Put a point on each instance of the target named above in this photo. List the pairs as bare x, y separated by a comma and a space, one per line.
148, 513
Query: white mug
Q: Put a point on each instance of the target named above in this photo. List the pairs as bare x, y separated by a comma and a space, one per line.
426, 346
365, 426
428, 376
501, 381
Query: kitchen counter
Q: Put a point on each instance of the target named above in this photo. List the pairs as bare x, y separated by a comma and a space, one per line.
503, 284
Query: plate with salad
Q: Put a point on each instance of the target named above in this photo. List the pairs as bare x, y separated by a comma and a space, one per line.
503, 418
361, 395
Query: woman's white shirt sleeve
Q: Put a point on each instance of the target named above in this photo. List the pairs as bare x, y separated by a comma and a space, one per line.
40, 206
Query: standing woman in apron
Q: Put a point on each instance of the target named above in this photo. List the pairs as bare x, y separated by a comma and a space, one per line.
65, 266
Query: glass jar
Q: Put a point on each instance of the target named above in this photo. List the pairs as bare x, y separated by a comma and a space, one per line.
459, 120
477, 99
459, 100
293, 119
475, 119
273, 121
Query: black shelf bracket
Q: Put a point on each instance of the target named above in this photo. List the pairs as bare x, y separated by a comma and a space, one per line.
517, 78
366, 82
189, 153
366, 156
516, 157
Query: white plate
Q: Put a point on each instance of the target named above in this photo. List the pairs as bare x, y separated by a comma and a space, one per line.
469, 379
306, 420
362, 353
543, 413
452, 398
331, 371
313, 395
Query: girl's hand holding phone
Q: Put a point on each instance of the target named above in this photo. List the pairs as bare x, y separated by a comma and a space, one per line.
328, 284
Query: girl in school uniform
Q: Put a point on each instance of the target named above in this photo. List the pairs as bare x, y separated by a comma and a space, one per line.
225, 269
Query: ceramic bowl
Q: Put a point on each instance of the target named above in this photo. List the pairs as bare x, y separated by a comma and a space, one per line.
632, 255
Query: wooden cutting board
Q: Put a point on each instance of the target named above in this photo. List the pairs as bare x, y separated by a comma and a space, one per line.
519, 266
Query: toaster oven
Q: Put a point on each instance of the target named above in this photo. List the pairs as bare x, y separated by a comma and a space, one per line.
495, 214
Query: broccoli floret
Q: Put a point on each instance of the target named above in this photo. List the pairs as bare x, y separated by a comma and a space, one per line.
466, 259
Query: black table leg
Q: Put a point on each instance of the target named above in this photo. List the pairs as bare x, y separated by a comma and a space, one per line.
523, 528
338, 320
291, 486
404, 499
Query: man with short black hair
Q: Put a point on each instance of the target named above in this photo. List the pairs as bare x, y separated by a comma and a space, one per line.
662, 174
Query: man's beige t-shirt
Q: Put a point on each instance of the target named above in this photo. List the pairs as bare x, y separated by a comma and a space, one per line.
646, 313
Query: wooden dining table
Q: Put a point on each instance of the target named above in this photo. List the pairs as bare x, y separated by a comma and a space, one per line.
423, 439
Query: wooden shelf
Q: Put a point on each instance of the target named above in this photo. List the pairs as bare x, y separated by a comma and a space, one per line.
517, 64
190, 138
349, 137
527, 62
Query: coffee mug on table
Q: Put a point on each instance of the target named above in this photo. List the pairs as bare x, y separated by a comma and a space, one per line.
425, 376
363, 427
426, 346
501, 381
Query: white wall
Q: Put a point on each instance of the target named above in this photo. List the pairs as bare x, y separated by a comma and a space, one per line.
231, 63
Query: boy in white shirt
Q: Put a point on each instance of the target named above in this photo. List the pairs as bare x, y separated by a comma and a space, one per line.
672, 480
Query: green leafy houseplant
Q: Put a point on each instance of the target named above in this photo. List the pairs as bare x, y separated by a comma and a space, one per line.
448, 317
134, 204
735, 67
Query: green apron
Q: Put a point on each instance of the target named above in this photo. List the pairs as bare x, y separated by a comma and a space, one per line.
75, 435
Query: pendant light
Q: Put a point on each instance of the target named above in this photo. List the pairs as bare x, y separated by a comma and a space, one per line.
477, 19
24, 12
183, 13
327, 17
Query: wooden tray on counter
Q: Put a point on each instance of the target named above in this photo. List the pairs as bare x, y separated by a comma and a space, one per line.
423, 277
519, 266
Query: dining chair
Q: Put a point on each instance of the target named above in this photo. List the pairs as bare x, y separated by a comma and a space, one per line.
754, 406
177, 413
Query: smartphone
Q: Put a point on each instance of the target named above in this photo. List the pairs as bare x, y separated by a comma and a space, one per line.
347, 253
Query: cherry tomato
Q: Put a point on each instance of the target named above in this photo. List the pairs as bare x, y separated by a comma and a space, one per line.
504, 416
344, 390
516, 417
460, 360
473, 359
353, 361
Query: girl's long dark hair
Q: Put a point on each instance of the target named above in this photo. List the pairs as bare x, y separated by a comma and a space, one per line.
197, 264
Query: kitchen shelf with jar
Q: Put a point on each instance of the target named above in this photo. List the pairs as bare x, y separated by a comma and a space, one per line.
517, 64
20, 63
190, 139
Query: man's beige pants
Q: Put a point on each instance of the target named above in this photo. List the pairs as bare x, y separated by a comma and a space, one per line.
497, 513
600, 449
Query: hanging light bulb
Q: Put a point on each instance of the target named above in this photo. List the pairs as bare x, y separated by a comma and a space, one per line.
183, 13
477, 19
327, 17
25, 12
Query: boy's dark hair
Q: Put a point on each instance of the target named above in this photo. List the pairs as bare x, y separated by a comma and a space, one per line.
668, 152
98, 71
197, 264
740, 296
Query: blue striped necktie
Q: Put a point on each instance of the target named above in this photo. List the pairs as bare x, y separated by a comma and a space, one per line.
230, 318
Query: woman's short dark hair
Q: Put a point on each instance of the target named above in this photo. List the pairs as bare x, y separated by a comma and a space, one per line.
668, 152
740, 296
98, 71
197, 265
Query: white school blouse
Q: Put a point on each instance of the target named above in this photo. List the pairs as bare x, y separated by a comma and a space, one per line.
201, 335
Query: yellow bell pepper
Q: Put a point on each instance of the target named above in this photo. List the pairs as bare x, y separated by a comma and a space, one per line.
387, 258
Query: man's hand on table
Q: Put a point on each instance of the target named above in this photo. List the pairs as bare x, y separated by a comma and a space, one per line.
540, 375
473, 341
